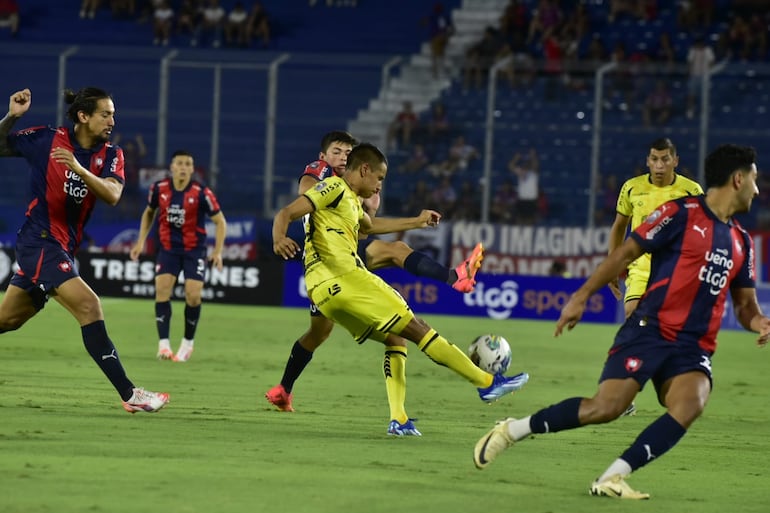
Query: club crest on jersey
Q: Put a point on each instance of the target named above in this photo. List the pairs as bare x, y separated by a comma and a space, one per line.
633, 364
65, 267
314, 165
99, 161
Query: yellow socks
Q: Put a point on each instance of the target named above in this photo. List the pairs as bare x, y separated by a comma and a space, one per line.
394, 367
445, 353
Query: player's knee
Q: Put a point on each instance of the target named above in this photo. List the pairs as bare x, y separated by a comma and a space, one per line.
89, 310
598, 410
11, 323
687, 412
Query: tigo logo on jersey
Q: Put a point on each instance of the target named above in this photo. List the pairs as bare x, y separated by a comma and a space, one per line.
633, 364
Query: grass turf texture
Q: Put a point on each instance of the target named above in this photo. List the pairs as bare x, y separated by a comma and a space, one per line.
66, 445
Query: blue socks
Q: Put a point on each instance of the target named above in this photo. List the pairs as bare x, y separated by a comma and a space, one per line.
103, 352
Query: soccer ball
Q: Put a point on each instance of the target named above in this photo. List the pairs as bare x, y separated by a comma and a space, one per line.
491, 353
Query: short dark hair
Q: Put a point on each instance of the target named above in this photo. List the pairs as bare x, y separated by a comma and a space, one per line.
337, 136
365, 153
181, 153
84, 100
664, 143
725, 160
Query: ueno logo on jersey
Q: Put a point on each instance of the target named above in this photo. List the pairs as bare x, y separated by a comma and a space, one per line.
499, 302
74, 186
716, 275
175, 215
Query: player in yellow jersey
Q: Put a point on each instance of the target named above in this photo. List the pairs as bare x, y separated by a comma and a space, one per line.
346, 292
638, 198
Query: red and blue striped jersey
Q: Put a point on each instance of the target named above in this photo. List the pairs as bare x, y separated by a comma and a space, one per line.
60, 204
318, 169
696, 259
182, 214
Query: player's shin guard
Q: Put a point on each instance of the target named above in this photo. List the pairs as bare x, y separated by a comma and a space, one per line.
191, 316
101, 349
163, 318
445, 353
394, 368
654, 441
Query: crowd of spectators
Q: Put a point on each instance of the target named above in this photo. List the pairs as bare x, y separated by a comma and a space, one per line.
193, 22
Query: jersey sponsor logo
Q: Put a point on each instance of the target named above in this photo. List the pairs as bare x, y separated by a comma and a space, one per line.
74, 186
657, 228
175, 215
716, 271
499, 302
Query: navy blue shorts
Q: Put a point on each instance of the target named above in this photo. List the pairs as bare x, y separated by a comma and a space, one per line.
192, 263
362, 245
640, 353
42, 268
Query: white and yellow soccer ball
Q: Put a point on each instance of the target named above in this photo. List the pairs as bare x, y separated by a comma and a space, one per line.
491, 353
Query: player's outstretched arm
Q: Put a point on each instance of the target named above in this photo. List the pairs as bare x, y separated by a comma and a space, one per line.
283, 245
607, 271
427, 218
18, 104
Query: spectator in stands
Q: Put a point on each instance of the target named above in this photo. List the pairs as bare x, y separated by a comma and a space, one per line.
526, 169
212, 23
658, 104
189, 19
467, 204
443, 198
418, 160
162, 22
547, 16
236, 26
401, 128
440, 29
700, 58
417, 199
554, 63
663, 53
258, 24
606, 201
480, 57
9, 16
123, 8
438, 125
622, 81
695, 14
461, 153
503, 207
88, 8
514, 28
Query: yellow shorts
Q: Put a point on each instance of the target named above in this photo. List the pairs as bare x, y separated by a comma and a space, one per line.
364, 304
636, 283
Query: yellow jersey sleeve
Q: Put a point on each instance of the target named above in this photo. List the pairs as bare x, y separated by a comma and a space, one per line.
331, 231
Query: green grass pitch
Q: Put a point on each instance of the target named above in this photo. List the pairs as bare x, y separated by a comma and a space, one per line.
66, 445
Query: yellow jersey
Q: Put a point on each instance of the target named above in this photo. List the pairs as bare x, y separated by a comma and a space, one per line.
331, 231
639, 198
